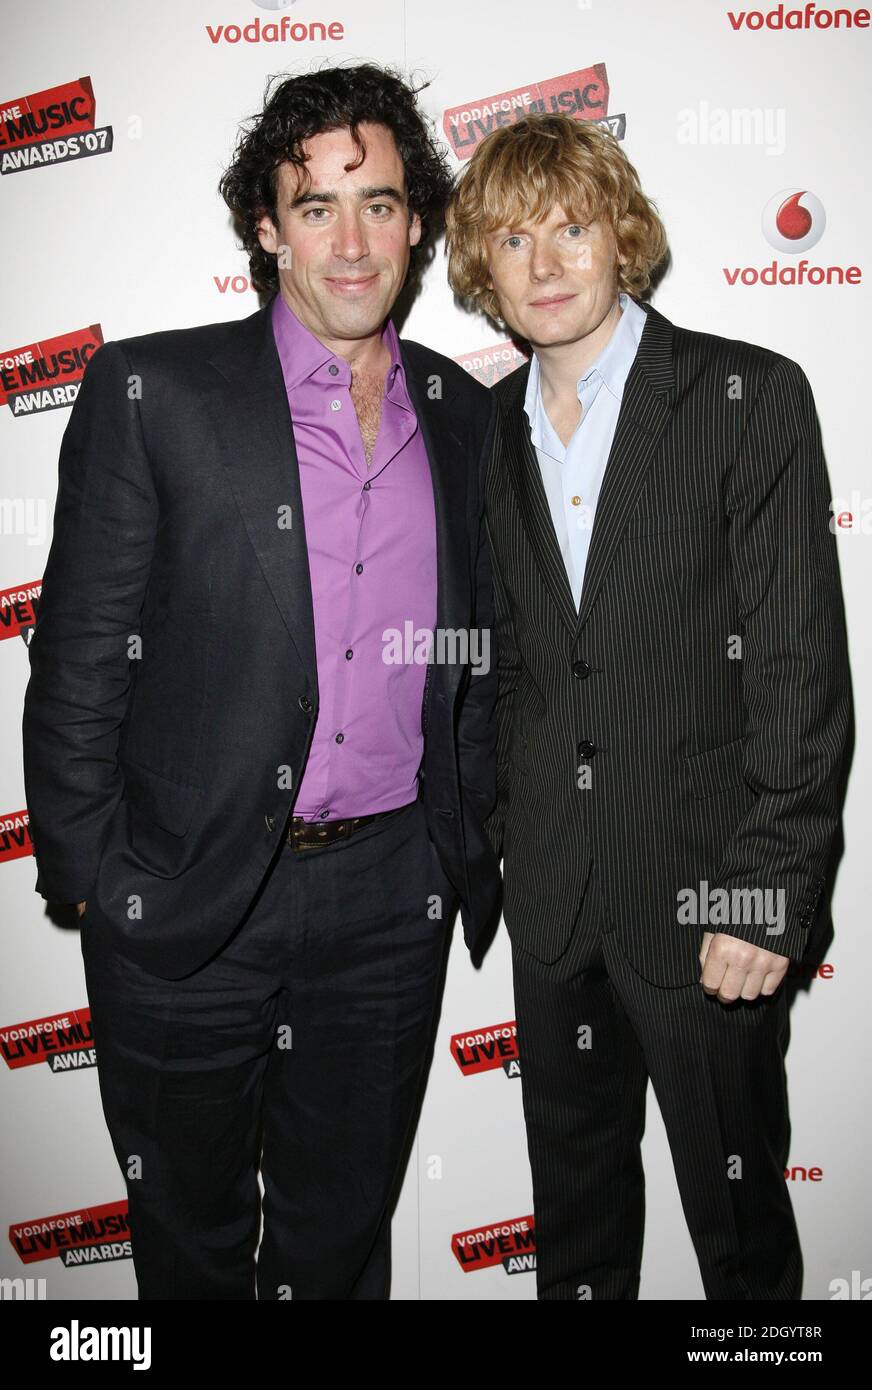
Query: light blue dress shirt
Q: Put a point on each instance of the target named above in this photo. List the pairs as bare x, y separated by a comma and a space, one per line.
572, 476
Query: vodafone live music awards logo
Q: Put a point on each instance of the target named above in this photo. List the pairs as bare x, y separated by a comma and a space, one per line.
18, 609
583, 94
64, 1041
511, 1244
45, 375
15, 837
51, 127
91, 1235
494, 1048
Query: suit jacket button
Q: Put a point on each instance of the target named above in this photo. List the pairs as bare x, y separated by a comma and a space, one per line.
586, 748
305, 703
270, 822
581, 669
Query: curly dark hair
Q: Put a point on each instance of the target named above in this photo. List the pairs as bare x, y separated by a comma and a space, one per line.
332, 98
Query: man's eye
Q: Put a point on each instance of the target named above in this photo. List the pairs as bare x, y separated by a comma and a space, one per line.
383, 207
510, 239
575, 227
311, 213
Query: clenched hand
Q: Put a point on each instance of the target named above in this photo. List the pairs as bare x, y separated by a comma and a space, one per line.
736, 969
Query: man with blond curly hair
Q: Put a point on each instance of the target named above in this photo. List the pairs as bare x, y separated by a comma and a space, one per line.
673, 710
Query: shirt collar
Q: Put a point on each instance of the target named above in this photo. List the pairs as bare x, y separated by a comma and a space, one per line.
302, 354
612, 365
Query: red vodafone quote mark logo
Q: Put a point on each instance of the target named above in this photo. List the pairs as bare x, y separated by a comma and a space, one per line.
794, 220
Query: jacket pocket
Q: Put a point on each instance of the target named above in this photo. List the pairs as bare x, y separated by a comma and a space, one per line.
716, 769
168, 803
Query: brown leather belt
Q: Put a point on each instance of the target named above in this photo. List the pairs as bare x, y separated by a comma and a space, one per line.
306, 834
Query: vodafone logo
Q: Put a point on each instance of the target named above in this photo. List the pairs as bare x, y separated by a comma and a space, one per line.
804, 17
281, 30
794, 220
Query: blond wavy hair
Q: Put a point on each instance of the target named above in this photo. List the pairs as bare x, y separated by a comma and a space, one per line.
522, 171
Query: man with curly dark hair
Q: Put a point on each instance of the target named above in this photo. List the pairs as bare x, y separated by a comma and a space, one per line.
250, 756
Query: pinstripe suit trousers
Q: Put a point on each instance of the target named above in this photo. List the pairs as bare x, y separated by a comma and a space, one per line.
591, 1031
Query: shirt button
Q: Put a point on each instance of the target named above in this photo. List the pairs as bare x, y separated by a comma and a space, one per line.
358, 569
349, 654
340, 738
324, 814
576, 501
335, 405
366, 487
333, 369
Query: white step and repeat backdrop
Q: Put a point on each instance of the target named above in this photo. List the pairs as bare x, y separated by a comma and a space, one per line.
116, 121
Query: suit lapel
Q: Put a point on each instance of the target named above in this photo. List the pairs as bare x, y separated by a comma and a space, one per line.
259, 456
526, 478
253, 424
646, 406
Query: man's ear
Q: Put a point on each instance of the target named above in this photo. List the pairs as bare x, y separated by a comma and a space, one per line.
267, 234
415, 229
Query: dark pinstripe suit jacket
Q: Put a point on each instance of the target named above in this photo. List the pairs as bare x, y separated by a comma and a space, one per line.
707, 761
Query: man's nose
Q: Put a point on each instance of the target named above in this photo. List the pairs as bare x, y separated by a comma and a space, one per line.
545, 264
350, 241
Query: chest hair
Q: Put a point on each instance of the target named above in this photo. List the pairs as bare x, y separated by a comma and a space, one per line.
367, 393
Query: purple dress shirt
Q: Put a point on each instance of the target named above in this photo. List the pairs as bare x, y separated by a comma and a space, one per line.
371, 538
